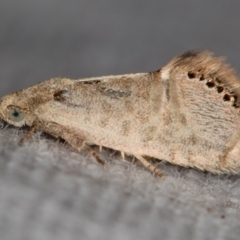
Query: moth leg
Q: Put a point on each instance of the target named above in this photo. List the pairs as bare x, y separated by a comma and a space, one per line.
149, 166
35, 126
122, 155
95, 155
76, 140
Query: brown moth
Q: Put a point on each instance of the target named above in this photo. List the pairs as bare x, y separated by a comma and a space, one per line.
186, 113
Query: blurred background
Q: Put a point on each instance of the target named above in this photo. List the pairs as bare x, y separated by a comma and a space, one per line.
44, 39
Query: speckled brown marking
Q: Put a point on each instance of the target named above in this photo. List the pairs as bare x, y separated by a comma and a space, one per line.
103, 122
126, 126
166, 118
128, 106
157, 103
193, 140
167, 89
106, 108
144, 90
142, 117
149, 133
183, 119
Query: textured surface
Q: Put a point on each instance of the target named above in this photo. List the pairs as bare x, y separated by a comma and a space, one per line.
49, 191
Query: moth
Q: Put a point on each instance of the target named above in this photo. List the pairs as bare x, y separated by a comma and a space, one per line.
186, 113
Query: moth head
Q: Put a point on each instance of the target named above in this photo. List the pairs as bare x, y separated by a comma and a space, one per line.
14, 111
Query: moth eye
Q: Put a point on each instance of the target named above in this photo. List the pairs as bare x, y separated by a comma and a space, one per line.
15, 115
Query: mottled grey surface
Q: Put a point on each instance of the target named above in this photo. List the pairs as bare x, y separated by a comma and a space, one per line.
49, 191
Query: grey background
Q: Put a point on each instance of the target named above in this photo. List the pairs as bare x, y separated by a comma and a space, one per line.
44, 39
47, 190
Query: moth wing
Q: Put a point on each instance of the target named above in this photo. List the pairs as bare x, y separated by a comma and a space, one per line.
204, 94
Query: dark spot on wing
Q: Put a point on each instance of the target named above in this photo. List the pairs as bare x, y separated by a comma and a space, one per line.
60, 95
226, 97
204, 67
167, 87
191, 75
64, 97
91, 82
220, 89
210, 84
236, 105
